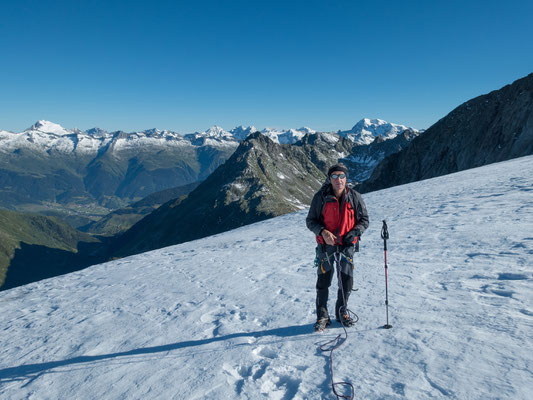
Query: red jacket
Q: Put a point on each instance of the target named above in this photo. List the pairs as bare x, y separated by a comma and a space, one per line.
339, 216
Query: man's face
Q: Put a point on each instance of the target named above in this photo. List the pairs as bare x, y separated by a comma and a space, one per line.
337, 182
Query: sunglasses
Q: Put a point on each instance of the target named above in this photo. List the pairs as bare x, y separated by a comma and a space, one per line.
335, 176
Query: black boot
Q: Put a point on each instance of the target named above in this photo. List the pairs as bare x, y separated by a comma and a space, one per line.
345, 319
322, 324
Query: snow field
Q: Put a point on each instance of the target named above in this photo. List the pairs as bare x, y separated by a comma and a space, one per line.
230, 316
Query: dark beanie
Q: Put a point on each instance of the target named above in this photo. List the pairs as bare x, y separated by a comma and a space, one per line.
337, 167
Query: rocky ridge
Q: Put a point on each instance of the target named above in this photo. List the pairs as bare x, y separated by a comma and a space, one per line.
262, 179
494, 127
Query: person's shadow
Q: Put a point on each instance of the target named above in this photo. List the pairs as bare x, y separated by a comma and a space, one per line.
32, 371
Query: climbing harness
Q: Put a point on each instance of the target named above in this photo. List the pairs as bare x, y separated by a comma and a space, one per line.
319, 262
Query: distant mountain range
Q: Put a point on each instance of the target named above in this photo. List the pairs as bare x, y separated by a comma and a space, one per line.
50, 169
81, 176
48, 137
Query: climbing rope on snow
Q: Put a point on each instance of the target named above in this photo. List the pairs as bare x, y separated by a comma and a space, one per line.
339, 340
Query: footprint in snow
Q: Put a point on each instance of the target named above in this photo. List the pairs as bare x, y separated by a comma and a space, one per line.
399, 388
265, 352
507, 276
263, 377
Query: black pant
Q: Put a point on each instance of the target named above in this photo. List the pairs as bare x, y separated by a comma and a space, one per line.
322, 292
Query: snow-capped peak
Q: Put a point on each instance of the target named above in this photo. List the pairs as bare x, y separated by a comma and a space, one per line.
96, 132
304, 129
240, 132
367, 122
48, 127
284, 136
366, 130
154, 132
215, 136
215, 132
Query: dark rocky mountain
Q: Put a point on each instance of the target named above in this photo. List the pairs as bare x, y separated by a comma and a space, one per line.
34, 247
363, 159
262, 179
494, 127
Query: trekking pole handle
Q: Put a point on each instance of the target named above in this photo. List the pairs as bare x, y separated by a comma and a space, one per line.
384, 231
385, 234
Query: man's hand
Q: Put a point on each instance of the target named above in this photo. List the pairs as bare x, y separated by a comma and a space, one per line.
329, 237
350, 236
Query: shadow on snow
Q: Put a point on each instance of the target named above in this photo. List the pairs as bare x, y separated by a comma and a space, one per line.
33, 371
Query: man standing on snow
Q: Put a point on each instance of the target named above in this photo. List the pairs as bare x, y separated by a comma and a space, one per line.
337, 217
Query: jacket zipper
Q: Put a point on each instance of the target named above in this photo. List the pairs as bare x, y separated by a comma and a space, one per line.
341, 206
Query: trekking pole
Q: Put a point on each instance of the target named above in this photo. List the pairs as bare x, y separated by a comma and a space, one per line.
385, 237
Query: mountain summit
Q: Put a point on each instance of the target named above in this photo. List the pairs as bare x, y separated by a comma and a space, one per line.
48, 127
367, 130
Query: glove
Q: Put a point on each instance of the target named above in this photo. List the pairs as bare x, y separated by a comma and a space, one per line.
348, 239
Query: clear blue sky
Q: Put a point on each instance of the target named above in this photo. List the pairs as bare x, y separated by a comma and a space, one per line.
187, 65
